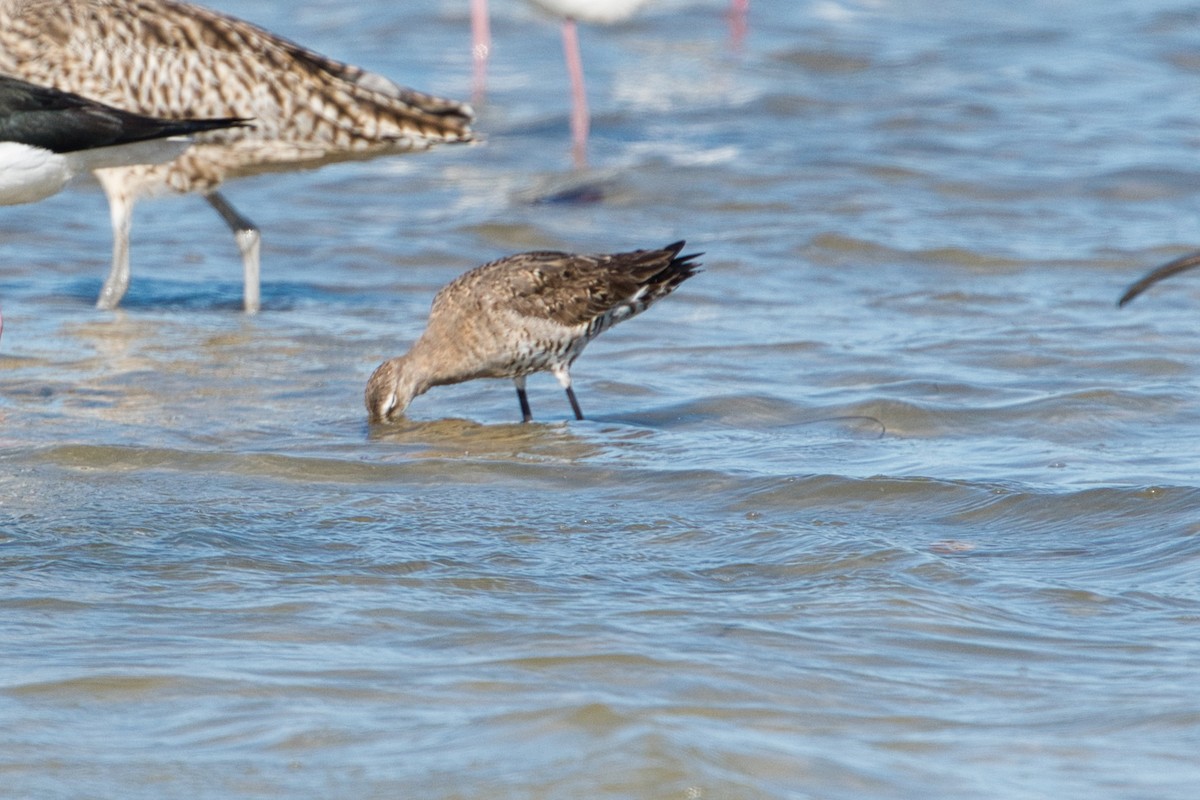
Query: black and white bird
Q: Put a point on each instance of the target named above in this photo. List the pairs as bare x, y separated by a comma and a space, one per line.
48, 137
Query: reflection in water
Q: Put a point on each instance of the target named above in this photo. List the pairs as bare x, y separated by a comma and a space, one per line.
464, 439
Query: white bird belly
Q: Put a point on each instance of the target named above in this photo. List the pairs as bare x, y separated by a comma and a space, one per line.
592, 11
29, 174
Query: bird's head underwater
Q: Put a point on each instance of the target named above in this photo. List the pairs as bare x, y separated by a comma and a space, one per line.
389, 391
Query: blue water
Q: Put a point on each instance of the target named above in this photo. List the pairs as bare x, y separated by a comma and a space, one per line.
890, 502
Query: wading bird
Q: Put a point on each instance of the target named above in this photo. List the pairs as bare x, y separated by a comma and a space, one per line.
172, 59
604, 12
527, 313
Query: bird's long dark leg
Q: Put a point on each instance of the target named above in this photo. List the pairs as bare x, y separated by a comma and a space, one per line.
564, 379
526, 414
247, 238
574, 403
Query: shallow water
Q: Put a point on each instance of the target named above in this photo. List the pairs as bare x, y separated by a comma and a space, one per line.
889, 501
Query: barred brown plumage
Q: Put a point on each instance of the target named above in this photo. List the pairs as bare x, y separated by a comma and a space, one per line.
526, 313
172, 59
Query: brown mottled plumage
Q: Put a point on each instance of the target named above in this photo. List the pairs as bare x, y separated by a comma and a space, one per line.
172, 59
526, 313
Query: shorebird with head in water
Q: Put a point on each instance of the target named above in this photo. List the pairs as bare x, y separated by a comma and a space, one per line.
526, 313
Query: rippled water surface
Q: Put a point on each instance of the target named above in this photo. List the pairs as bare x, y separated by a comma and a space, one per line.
891, 501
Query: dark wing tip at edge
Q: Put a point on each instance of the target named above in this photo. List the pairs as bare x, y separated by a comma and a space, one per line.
685, 264
1181, 264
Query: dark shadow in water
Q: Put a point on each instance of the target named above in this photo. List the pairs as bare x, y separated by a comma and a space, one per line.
578, 188
867, 427
578, 195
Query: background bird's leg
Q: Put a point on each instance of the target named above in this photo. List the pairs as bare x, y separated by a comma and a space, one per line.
739, 11
481, 47
120, 210
579, 104
247, 237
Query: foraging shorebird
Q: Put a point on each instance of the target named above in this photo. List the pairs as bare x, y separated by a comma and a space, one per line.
1181, 264
172, 59
532, 312
603, 12
47, 137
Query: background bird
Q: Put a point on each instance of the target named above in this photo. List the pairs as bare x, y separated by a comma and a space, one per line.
174, 59
525, 313
603, 12
48, 137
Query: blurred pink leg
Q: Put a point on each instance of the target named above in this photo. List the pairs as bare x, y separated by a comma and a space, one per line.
579, 106
481, 46
739, 10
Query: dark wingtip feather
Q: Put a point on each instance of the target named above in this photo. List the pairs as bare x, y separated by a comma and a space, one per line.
678, 269
63, 122
1181, 264
199, 125
682, 264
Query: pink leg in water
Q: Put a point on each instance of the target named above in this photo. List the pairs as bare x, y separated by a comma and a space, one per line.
579, 106
481, 47
739, 10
